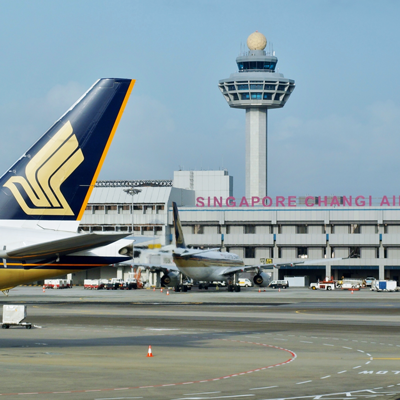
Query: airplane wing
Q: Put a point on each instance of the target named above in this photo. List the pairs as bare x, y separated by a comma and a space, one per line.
166, 268
56, 248
294, 263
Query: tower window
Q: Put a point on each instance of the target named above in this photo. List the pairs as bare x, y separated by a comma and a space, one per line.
256, 86
243, 87
256, 96
231, 87
269, 87
244, 96
267, 96
281, 88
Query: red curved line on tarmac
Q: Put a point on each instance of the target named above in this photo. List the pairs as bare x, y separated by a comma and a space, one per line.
294, 356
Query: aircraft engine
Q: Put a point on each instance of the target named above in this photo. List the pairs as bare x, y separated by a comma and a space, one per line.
262, 279
171, 279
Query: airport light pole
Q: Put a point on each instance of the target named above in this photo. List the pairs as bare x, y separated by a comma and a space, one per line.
132, 191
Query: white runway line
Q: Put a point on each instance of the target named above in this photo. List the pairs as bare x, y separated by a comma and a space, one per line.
266, 387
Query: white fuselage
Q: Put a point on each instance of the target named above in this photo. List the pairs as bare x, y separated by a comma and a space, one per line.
207, 265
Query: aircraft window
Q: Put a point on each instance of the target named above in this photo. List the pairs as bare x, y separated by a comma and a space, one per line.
256, 96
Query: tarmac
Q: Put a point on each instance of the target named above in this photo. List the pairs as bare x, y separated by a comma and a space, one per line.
287, 344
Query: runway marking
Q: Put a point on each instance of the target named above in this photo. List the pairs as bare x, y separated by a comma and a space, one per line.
219, 397
292, 358
304, 341
324, 377
300, 383
266, 387
193, 394
342, 372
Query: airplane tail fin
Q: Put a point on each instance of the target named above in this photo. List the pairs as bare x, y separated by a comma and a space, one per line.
53, 180
179, 239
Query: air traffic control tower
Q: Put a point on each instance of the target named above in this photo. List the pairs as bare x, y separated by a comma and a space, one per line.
256, 87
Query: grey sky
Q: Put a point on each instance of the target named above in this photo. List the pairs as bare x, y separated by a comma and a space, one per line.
338, 134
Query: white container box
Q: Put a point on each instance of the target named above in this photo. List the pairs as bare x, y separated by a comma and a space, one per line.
13, 314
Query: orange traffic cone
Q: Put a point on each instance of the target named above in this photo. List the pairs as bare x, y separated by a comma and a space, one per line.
352, 291
167, 292
161, 290
44, 289
279, 290
259, 290
149, 353
154, 289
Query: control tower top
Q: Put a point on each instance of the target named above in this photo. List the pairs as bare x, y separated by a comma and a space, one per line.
256, 84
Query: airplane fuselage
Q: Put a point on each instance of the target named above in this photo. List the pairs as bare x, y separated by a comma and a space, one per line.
207, 266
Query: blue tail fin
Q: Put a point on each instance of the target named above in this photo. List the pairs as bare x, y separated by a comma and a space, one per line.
179, 239
53, 180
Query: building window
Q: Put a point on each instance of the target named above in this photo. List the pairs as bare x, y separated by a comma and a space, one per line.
269, 87
354, 228
256, 86
198, 229
88, 208
302, 252
228, 229
281, 88
249, 229
385, 252
244, 96
98, 208
249, 252
267, 96
243, 87
354, 252
279, 252
301, 229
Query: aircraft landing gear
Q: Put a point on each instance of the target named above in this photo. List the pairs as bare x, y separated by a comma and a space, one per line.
182, 288
233, 285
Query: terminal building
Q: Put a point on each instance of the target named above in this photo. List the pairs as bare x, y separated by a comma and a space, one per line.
366, 236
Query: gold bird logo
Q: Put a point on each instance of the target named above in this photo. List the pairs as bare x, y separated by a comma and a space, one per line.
45, 173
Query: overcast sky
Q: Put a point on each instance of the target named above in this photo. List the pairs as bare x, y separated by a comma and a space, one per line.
338, 133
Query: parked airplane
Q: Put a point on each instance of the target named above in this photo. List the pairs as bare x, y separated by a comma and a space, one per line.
211, 264
44, 194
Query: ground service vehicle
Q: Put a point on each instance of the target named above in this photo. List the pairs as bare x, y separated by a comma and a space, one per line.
279, 284
324, 285
384, 286
245, 282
